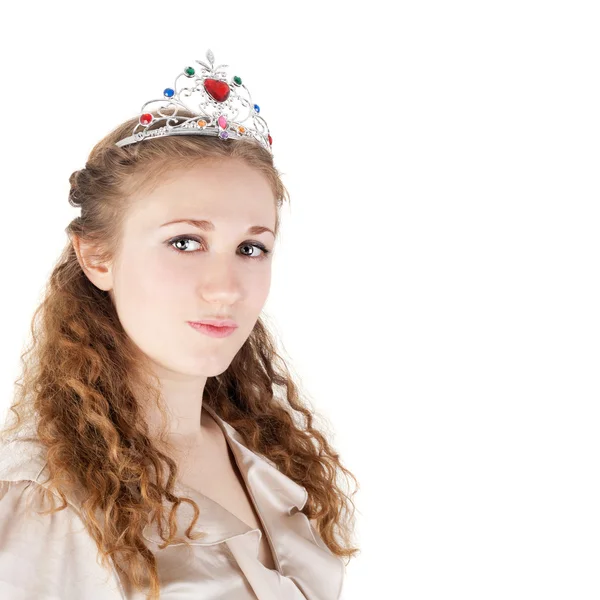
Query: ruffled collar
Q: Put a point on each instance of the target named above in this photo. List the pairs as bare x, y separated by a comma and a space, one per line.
299, 552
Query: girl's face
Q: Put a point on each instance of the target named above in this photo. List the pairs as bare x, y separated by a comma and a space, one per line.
168, 273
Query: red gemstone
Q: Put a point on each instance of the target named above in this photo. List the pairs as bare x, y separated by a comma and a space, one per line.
270, 140
219, 90
145, 118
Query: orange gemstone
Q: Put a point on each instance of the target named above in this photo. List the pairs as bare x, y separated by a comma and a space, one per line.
202, 123
241, 129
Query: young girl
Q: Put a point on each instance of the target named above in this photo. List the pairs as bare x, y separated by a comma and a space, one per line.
161, 449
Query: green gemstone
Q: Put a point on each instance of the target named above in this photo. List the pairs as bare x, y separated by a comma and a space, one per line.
237, 80
189, 71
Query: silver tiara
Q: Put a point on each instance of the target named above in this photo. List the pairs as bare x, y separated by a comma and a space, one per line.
224, 108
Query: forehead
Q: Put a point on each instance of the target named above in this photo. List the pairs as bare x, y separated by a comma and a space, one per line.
225, 190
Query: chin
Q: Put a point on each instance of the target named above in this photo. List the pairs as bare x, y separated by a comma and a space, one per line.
206, 368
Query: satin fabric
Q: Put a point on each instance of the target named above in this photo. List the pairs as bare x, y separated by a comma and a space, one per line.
52, 557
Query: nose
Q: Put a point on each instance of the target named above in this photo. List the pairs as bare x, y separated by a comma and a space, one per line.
220, 275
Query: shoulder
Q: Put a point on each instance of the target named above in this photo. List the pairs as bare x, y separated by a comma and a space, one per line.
21, 458
44, 556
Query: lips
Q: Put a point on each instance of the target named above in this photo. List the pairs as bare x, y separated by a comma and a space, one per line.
215, 323
211, 330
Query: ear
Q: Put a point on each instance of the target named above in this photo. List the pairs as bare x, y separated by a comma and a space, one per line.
100, 274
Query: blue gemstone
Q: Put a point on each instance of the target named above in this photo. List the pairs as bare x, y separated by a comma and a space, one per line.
169, 92
257, 108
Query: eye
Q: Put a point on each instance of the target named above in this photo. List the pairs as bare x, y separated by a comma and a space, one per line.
180, 240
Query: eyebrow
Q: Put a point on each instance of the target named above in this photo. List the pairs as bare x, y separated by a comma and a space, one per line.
209, 226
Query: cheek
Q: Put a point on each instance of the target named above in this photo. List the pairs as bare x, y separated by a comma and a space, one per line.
151, 289
258, 288
170, 275
148, 283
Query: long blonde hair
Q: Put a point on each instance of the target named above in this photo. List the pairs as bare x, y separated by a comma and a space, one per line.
75, 390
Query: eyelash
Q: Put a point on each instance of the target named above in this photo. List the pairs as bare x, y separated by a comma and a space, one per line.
170, 243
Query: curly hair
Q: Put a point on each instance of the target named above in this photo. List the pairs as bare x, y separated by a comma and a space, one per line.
81, 374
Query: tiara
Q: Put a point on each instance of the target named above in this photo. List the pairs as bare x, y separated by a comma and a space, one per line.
225, 108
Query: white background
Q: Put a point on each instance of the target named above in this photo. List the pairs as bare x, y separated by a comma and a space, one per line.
436, 285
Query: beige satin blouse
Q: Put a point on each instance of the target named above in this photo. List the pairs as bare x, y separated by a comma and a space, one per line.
52, 557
